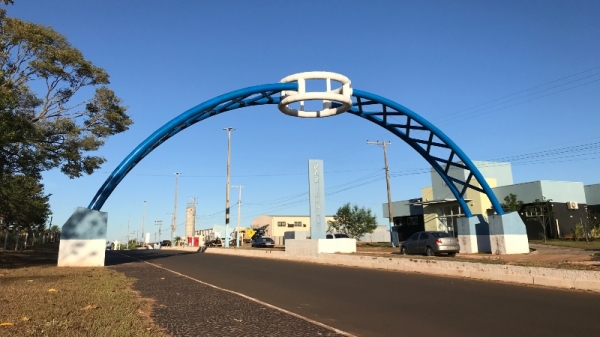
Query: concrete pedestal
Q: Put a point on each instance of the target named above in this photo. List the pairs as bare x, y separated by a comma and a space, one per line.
473, 235
83, 239
508, 234
314, 247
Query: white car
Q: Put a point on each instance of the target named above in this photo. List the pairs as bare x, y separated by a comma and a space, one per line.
337, 236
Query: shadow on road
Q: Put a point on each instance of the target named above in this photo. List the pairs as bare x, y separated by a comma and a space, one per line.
114, 258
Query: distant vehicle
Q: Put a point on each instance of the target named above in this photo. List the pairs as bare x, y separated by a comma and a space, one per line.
430, 244
214, 243
165, 243
337, 236
263, 242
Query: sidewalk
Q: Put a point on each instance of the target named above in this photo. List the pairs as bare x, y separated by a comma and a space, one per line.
493, 271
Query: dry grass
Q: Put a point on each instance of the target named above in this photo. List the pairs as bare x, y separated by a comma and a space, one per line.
39, 299
579, 244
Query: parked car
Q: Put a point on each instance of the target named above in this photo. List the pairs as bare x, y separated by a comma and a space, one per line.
166, 243
337, 236
430, 244
263, 242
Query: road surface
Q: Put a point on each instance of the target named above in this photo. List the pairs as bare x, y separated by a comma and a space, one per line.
366, 302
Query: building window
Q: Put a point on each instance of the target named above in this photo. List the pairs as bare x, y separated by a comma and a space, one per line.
448, 218
281, 224
298, 224
413, 221
449, 211
531, 212
290, 225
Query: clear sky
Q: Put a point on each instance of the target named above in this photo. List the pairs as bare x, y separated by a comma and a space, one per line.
506, 80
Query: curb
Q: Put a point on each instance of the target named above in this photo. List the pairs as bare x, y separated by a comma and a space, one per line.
548, 277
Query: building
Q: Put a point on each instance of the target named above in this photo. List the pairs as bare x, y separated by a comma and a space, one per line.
380, 234
592, 196
438, 210
565, 206
277, 225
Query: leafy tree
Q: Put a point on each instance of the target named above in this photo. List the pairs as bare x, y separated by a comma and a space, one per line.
68, 116
63, 132
511, 203
22, 199
353, 220
178, 240
23, 202
541, 212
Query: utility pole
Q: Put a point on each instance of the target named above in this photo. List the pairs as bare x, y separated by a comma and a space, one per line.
174, 225
387, 181
229, 129
143, 222
237, 235
159, 224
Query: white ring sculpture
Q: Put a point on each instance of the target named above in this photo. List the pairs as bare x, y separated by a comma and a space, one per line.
342, 95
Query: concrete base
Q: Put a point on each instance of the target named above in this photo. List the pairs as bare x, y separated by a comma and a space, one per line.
508, 234
83, 239
295, 235
473, 235
314, 247
81, 253
468, 244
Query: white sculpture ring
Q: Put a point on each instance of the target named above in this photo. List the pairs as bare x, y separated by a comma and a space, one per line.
342, 95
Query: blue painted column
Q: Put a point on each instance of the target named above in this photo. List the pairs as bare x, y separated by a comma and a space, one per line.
316, 196
473, 234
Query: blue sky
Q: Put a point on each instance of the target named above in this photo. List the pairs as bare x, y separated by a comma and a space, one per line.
504, 79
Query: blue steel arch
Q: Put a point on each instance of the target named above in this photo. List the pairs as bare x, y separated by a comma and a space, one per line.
265, 94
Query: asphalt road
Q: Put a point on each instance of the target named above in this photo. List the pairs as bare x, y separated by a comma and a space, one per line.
382, 303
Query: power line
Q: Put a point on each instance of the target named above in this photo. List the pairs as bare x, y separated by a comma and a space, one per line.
527, 90
510, 106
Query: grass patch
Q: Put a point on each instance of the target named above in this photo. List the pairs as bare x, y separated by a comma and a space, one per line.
580, 244
39, 299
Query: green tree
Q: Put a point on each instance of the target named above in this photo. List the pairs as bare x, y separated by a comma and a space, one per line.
511, 203
63, 133
69, 115
54, 232
23, 202
353, 220
541, 211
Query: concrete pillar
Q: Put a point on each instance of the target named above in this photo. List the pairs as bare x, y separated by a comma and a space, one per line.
83, 239
508, 234
473, 235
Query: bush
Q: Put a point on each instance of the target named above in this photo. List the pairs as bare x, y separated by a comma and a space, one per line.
579, 232
595, 232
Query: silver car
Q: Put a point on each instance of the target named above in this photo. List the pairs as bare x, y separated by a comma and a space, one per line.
430, 244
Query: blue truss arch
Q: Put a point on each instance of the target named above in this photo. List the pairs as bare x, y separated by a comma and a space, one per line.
381, 111
251, 96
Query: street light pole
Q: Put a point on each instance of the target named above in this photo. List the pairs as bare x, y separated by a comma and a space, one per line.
237, 235
387, 181
174, 225
143, 222
127, 233
229, 129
